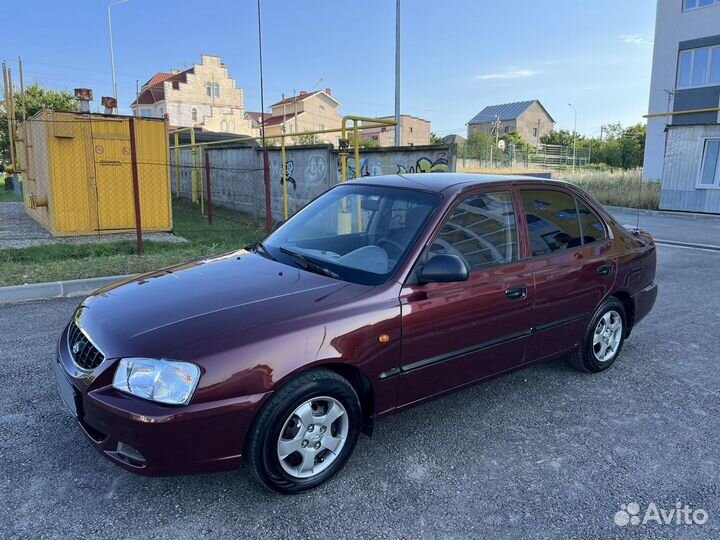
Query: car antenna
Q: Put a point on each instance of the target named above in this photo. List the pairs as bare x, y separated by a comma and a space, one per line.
637, 223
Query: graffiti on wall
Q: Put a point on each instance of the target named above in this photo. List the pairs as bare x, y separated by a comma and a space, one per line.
373, 166
425, 165
316, 169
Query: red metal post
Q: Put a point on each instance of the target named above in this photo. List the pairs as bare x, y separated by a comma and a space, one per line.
209, 186
136, 187
268, 202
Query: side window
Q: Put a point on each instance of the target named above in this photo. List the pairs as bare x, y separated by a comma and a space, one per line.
481, 230
592, 228
552, 221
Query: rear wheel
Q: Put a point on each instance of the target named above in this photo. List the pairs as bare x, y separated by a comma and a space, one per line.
305, 433
603, 339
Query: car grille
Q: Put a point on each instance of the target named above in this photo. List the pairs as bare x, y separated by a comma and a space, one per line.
85, 355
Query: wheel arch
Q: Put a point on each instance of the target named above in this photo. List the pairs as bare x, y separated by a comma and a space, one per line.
629, 305
363, 387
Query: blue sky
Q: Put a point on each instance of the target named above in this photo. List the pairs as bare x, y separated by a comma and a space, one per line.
457, 56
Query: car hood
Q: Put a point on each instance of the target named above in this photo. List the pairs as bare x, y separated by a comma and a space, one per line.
161, 313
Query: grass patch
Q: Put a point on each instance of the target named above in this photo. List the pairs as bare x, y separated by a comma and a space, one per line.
624, 188
230, 230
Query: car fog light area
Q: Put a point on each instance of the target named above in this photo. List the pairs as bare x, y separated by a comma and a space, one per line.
164, 381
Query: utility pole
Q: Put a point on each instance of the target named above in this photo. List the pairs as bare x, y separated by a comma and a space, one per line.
266, 156
112, 51
312, 92
398, 127
295, 109
574, 135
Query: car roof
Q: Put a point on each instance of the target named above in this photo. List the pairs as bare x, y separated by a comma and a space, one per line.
438, 182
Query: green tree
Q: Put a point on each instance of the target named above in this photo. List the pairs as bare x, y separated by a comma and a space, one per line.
305, 138
36, 98
435, 139
367, 142
562, 137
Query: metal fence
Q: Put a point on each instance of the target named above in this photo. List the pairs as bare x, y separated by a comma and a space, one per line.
547, 156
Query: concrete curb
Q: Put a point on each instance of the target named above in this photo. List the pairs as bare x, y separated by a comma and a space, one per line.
56, 289
663, 213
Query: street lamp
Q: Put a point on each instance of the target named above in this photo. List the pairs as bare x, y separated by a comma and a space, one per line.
112, 52
574, 134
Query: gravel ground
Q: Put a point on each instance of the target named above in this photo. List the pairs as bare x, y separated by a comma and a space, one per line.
543, 453
19, 230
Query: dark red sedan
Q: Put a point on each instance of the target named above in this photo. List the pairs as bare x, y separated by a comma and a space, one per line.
382, 293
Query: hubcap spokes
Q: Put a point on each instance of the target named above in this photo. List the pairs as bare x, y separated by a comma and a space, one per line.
607, 336
312, 437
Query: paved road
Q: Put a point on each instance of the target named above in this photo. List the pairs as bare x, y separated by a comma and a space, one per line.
546, 452
675, 228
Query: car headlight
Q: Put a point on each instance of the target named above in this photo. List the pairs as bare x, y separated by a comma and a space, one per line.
164, 381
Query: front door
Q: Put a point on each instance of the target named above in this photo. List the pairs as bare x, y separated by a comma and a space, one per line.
457, 333
572, 268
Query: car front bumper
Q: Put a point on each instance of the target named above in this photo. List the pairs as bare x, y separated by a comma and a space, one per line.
195, 438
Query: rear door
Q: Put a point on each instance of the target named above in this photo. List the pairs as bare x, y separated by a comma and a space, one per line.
457, 333
572, 266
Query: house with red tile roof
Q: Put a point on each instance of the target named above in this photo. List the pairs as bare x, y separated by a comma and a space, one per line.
304, 112
203, 96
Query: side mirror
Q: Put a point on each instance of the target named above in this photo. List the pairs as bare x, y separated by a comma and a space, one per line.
444, 268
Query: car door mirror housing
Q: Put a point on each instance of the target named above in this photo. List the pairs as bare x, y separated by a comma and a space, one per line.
444, 268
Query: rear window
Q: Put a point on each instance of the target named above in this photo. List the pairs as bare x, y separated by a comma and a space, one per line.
552, 219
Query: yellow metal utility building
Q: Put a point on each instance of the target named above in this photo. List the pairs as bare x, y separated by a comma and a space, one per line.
78, 173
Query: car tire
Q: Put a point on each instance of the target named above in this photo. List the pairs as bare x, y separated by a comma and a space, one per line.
305, 432
603, 338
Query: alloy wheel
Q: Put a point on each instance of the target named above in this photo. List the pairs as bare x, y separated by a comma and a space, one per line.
312, 437
607, 336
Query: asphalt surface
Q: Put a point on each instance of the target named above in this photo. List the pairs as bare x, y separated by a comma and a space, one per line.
704, 229
544, 452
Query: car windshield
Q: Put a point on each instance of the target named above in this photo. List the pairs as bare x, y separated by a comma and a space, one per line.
355, 233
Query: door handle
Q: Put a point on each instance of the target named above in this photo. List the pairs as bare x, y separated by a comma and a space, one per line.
516, 293
605, 271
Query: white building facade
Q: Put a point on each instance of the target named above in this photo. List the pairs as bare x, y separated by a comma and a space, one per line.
683, 140
203, 96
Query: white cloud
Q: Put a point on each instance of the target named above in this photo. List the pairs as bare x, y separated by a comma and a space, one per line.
633, 39
509, 74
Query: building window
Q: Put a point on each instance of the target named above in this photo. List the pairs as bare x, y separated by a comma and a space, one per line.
411, 129
176, 85
696, 4
709, 170
507, 129
321, 107
699, 67
193, 114
534, 132
146, 113
212, 90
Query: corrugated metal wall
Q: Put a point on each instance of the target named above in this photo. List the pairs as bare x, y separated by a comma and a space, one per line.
683, 159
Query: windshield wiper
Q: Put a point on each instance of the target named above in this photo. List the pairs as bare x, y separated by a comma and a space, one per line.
307, 264
260, 249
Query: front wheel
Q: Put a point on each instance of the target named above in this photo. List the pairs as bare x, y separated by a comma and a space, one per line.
305, 433
603, 339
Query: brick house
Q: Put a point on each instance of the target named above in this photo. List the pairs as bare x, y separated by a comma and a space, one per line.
529, 118
203, 96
